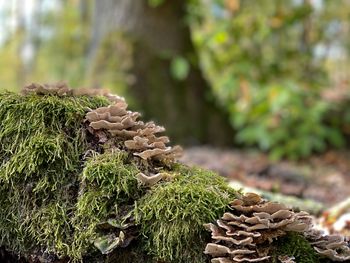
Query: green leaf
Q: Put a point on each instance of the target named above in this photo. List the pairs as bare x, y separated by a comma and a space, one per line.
179, 68
106, 244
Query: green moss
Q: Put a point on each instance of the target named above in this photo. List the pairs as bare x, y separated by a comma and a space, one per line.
112, 173
52, 227
108, 184
42, 142
296, 245
38, 132
172, 214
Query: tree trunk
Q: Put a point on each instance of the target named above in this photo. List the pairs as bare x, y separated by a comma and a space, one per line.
159, 34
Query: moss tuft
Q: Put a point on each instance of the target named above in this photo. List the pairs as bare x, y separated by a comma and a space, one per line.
42, 141
172, 214
41, 144
296, 245
109, 184
112, 173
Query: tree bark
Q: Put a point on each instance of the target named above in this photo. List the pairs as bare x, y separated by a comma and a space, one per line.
159, 34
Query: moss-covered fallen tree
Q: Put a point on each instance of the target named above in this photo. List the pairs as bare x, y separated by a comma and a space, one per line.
81, 180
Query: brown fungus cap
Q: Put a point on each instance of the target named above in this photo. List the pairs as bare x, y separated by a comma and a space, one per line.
62, 89
244, 233
59, 89
151, 179
286, 259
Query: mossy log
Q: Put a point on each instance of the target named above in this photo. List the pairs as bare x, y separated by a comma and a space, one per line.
68, 194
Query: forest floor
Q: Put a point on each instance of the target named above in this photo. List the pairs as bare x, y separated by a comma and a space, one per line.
324, 178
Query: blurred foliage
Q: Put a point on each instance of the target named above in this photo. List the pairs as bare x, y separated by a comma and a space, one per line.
155, 3
259, 42
179, 68
263, 61
285, 119
268, 63
10, 64
106, 70
60, 50
63, 54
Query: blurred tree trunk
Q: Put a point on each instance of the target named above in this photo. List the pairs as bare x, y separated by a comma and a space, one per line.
159, 35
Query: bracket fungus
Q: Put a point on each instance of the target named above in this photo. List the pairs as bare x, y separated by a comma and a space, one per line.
243, 234
59, 88
62, 89
334, 247
139, 137
246, 232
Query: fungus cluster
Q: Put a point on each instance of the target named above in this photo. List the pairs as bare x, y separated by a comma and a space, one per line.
59, 89
62, 89
334, 247
244, 234
138, 137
